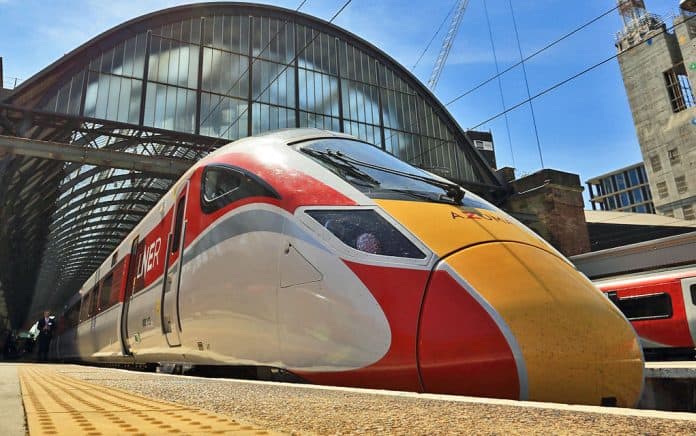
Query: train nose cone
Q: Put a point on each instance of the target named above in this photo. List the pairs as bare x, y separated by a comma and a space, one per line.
518, 322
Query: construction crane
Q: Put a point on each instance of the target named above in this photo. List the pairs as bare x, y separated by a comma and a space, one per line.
447, 43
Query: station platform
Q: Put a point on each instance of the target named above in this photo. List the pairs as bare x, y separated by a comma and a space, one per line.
56, 402
676, 369
670, 386
74, 399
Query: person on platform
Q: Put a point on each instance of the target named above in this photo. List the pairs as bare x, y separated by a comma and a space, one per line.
45, 326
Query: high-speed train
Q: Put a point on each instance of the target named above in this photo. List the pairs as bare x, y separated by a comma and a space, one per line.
661, 305
323, 256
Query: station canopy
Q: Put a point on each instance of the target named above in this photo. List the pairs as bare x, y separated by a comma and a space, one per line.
89, 144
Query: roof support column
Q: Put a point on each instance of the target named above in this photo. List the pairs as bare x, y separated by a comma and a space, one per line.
296, 65
200, 78
250, 94
146, 70
340, 86
379, 102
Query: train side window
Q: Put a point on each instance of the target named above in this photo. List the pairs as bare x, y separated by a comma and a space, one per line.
693, 294
641, 307
224, 184
105, 296
84, 308
72, 317
93, 301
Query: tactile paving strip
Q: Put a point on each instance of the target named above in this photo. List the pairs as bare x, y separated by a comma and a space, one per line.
58, 404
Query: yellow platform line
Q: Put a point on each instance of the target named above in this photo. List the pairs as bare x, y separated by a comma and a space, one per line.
58, 404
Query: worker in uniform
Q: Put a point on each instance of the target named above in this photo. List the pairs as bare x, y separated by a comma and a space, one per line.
45, 326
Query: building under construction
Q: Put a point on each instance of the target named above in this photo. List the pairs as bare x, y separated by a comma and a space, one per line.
658, 65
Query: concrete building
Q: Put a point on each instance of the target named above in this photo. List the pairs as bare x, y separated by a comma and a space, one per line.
625, 190
658, 66
483, 142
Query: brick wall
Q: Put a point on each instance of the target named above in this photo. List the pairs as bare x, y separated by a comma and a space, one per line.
554, 198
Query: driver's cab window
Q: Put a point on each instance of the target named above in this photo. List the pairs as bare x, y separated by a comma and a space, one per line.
222, 185
218, 182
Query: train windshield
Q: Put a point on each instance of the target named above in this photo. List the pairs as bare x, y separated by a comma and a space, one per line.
379, 174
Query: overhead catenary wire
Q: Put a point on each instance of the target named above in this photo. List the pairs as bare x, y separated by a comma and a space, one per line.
536, 53
565, 81
253, 59
292, 61
526, 83
500, 81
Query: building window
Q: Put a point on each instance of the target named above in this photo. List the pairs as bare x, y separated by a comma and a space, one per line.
688, 212
662, 190
633, 177
674, 157
608, 187
620, 182
655, 163
679, 88
681, 184
483, 145
669, 213
637, 195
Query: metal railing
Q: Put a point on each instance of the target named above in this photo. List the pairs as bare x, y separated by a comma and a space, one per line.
643, 24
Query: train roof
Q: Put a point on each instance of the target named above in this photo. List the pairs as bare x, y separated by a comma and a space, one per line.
648, 276
282, 137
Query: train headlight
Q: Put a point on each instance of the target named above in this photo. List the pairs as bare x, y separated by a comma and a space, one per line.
365, 230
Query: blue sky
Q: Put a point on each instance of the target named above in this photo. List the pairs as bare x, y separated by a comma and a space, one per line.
585, 127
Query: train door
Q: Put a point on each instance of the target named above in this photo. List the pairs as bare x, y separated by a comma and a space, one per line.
171, 323
130, 284
689, 292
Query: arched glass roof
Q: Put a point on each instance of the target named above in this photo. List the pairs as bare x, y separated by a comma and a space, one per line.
183, 81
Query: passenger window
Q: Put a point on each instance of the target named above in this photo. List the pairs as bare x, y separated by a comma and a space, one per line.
74, 315
693, 294
641, 307
224, 184
105, 296
93, 301
84, 308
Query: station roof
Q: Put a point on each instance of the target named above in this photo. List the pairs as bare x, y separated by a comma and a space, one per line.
609, 229
89, 144
635, 219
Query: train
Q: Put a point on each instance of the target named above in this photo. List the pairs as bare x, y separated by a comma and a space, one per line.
320, 255
661, 305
